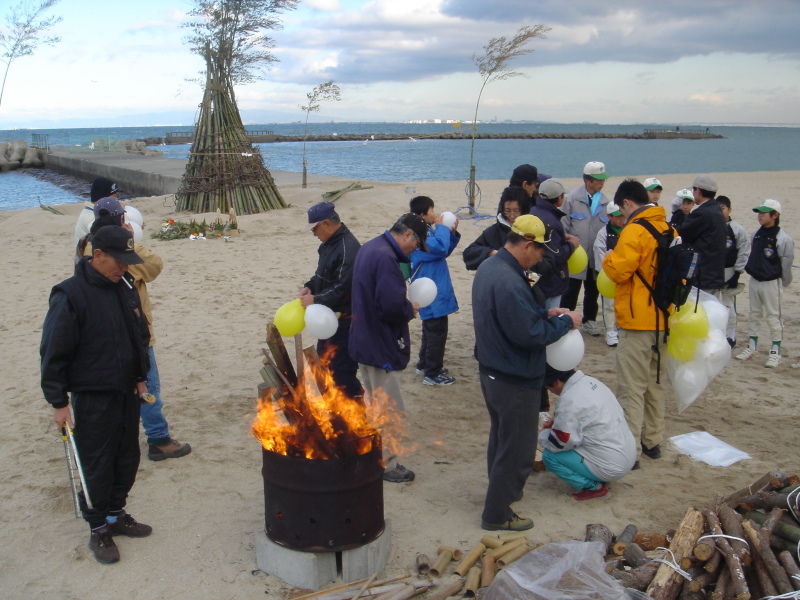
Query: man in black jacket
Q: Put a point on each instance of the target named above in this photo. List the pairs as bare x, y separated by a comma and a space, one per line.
704, 228
331, 286
94, 346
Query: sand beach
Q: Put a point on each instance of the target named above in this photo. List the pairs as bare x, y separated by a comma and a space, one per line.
211, 305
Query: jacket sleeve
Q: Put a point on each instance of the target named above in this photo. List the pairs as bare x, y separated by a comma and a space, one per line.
565, 434
59, 343
693, 226
524, 324
150, 268
599, 248
622, 262
339, 293
390, 293
786, 252
438, 242
477, 252
742, 247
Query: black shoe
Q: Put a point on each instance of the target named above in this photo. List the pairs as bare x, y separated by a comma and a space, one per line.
399, 475
127, 525
635, 466
654, 452
103, 546
732, 342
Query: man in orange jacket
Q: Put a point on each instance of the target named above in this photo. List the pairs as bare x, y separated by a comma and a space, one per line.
640, 322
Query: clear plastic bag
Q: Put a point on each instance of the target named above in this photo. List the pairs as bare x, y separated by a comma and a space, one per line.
566, 570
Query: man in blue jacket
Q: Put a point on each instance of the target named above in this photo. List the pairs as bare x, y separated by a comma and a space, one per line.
511, 333
379, 339
432, 264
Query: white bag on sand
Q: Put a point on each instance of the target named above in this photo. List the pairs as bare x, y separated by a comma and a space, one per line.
702, 446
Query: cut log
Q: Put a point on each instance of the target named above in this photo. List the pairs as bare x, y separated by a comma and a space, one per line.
721, 586
714, 562
691, 562
650, 540
667, 583
634, 555
774, 480
763, 501
772, 520
770, 564
280, 355
597, 532
624, 538
778, 544
637, 579
731, 522
782, 529
688, 594
703, 580
791, 568
704, 549
731, 558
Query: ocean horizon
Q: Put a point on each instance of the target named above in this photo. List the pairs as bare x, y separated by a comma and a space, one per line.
418, 158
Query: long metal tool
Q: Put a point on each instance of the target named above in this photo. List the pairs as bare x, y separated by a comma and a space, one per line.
80, 469
69, 471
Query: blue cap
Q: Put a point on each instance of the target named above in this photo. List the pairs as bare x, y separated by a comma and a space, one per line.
320, 212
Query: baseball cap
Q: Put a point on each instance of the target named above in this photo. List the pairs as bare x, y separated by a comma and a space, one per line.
532, 228
597, 170
102, 187
768, 206
685, 194
118, 242
705, 182
418, 225
552, 189
108, 206
320, 212
652, 183
613, 210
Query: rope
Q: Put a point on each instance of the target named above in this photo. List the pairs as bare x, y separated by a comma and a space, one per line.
789, 500
721, 535
674, 564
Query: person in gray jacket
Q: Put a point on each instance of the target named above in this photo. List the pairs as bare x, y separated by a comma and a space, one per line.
737, 250
585, 209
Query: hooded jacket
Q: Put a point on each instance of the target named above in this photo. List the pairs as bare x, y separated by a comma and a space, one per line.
556, 282
333, 281
636, 251
381, 312
580, 222
433, 264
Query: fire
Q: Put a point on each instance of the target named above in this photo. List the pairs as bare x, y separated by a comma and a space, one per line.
333, 424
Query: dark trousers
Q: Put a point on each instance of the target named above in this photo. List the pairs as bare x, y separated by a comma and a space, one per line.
514, 417
107, 438
343, 368
431, 347
590, 295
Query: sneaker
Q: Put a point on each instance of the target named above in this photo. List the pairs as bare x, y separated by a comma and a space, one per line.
103, 546
591, 328
612, 338
515, 523
127, 525
746, 354
399, 475
442, 372
589, 494
440, 379
654, 452
172, 449
773, 360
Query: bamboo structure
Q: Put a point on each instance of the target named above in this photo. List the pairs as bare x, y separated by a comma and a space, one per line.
225, 171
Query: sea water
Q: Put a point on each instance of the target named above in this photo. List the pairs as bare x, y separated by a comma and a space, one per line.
419, 157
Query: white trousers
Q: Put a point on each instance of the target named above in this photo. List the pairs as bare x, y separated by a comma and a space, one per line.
609, 320
765, 303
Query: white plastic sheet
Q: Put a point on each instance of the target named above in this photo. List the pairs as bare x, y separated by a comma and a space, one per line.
702, 446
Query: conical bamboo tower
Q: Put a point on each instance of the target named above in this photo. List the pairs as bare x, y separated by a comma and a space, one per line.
225, 170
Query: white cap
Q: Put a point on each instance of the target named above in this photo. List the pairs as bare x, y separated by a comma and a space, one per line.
596, 170
612, 208
686, 194
652, 183
768, 206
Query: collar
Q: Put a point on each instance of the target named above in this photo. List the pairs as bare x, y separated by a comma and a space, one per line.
87, 205
400, 256
572, 381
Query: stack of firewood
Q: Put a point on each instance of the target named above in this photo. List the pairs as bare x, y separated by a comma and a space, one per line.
729, 550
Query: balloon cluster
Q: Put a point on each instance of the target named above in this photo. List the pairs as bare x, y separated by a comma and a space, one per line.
318, 320
697, 347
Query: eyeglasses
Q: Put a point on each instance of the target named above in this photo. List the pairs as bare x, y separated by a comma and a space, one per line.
416, 237
512, 211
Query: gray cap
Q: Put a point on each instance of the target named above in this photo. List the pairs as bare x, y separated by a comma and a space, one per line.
705, 182
552, 189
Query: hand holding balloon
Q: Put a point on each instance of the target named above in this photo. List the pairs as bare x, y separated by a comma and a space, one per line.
422, 291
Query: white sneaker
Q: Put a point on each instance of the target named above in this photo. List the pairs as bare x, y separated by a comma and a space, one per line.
773, 361
745, 354
612, 338
591, 328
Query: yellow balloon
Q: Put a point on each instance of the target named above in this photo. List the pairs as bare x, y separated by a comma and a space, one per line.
578, 261
689, 321
681, 348
605, 286
290, 319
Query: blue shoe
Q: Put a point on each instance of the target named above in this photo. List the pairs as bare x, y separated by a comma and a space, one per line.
422, 371
440, 379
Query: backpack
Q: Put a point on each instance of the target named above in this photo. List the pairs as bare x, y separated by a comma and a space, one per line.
676, 269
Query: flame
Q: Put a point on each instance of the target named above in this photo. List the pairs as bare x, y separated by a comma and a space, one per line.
347, 425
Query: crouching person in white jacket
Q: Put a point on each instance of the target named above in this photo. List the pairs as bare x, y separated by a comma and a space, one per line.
588, 442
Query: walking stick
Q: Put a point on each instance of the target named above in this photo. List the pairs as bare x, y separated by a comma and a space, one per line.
69, 471
80, 469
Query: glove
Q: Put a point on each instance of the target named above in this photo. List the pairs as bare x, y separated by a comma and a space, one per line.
733, 281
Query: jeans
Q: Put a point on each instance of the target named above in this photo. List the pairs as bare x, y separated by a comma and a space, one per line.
153, 420
431, 348
552, 302
569, 466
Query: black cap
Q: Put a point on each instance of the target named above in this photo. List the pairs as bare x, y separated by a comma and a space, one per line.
322, 211
102, 187
117, 242
418, 225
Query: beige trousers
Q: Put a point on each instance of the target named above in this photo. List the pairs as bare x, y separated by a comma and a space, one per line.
765, 303
374, 379
641, 397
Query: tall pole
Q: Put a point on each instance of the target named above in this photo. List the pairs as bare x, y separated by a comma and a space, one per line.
472, 190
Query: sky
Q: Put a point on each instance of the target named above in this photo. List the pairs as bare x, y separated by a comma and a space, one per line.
610, 62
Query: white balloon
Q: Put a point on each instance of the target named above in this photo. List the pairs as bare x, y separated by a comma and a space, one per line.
448, 219
566, 353
717, 314
422, 291
138, 234
321, 321
132, 215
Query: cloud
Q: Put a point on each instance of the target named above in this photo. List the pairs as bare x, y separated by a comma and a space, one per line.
324, 5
